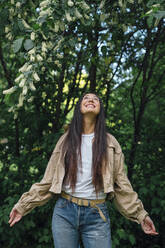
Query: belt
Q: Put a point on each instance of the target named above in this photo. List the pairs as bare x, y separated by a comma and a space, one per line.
85, 202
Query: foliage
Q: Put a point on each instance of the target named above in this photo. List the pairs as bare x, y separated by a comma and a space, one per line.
156, 12
50, 53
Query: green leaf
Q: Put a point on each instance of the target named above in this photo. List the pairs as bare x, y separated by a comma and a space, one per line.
150, 21
4, 14
20, 25
28, 44
121, 233
42, 19
36, 26
144, 190
11, 99
132, 239
108, 60
159, 14
17, 45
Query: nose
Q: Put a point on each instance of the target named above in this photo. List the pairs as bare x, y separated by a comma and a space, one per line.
91, 99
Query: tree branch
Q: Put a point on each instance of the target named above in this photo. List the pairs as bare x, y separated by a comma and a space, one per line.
6, 73
153, 94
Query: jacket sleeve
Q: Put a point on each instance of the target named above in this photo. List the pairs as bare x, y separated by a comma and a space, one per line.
126, 199
39, 192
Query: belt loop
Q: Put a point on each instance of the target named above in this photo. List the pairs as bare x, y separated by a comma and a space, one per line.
80, 201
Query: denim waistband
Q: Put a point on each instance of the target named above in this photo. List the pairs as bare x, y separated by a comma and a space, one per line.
85, 202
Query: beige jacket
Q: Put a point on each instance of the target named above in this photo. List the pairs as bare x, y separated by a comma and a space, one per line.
116, 183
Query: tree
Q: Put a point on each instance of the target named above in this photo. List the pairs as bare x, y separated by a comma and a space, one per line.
50, 53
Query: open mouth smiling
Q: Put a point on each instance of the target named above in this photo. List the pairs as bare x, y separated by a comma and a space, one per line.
90, 105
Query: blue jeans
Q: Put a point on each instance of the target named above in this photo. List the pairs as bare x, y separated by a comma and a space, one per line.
70, 222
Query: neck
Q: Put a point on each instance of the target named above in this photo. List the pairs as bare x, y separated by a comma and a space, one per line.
88, 125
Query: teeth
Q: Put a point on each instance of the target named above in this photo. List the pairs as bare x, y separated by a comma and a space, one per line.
90, 105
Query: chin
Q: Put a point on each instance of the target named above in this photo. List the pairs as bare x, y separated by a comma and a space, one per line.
91, 112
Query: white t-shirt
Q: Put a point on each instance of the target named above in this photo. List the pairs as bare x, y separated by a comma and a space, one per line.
84, 187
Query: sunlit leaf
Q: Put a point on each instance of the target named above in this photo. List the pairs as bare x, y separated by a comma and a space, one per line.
28, 44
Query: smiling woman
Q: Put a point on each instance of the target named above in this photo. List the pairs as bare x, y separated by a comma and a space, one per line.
90, 108
86, 169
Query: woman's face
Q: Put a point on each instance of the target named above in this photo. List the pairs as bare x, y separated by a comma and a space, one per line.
90, 104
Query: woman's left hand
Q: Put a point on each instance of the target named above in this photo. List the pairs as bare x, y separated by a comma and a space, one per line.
148, 226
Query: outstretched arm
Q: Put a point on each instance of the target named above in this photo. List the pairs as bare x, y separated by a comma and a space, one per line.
126, 199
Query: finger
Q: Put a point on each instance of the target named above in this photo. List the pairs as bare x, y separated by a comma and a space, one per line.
153, 227
151, 232
15, 221
11, 213
11, 218
12, 223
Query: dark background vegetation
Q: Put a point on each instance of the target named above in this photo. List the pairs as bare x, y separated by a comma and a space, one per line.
115, 48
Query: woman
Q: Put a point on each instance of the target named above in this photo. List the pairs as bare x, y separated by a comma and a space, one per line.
85, 169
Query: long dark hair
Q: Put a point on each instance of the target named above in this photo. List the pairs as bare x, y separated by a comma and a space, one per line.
72, 147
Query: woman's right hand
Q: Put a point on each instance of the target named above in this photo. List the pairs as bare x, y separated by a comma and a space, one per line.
15, 216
